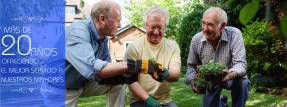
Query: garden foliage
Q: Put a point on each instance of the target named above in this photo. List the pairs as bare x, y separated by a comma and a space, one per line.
190, 25
265, 52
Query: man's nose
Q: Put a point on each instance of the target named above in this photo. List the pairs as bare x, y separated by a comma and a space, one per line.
204, 27
156, 31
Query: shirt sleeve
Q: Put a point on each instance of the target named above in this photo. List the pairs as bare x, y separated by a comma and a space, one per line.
192, 62
176, 54
239, 54
81, 55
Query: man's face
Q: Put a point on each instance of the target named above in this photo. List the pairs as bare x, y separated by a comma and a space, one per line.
114, 22
155, 28
210, 27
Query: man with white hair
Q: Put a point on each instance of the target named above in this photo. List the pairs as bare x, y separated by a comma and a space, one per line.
149, 91
86, 60
221, 44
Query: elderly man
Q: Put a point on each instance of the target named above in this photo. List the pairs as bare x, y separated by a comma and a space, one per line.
221, 44
149, 91
87, 60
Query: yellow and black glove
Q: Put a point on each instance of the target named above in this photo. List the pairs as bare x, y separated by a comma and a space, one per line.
162, 72
142, 66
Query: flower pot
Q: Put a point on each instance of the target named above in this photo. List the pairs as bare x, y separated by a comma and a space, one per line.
214, 77
208, 76
202, 90
219, 76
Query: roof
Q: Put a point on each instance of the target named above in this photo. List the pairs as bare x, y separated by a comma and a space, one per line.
127, 27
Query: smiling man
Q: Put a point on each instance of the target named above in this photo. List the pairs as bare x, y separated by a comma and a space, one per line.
149, 91
221, 44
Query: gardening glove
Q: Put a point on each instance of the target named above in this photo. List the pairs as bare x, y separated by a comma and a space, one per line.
162, 72
152, 102
162, 75
142, 66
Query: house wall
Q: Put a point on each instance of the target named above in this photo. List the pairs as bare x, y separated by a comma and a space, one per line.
117, 46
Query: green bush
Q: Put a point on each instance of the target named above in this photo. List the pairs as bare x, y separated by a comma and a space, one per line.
258, 81
265, 52
190, 25
183, 71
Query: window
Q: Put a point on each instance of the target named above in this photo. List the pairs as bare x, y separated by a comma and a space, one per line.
70, 10
58, 30
126, 45
55, 30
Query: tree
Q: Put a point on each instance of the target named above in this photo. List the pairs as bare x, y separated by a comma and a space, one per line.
176, 8
190, 25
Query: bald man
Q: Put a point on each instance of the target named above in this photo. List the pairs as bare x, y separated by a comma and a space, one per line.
87, 59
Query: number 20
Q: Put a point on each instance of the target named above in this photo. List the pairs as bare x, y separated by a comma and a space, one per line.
18, 47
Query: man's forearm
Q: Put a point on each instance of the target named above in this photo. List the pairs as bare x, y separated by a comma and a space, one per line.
174, 72
138, 90
113, 69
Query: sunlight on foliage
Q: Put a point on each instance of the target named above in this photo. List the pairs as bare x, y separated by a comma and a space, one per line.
248, 12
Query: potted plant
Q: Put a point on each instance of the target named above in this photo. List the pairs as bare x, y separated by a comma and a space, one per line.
201, 84
212, 71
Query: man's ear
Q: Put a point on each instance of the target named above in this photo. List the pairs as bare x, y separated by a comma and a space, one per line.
102, 19
222, 26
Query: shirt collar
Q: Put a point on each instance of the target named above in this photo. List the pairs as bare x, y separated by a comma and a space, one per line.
154, 45
94, 31
223, 36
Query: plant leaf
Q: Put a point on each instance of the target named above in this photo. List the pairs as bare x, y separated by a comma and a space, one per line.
248, 12
285, 66
283, 26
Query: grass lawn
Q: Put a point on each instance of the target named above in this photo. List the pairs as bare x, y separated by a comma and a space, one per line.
184, 97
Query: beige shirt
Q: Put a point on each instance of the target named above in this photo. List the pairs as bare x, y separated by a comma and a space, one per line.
164, 52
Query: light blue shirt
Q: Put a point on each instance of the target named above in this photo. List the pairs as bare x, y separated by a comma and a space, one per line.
230, 50
86, 53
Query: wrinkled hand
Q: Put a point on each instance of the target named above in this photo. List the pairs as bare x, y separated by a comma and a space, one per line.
229, 76
197, 67
152, 102
194, 89
142, 66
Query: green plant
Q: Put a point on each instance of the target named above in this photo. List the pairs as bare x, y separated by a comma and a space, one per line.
208, 67
211, 67
265, 52
201, 83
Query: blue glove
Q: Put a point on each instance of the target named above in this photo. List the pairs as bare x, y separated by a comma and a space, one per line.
152, 103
